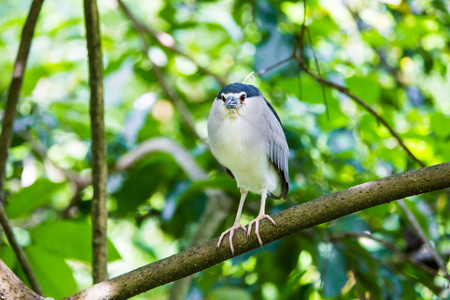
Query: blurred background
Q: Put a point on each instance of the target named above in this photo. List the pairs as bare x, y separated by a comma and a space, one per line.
164, 63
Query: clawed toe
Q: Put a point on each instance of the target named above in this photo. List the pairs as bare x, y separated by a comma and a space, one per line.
230, 239
256, 222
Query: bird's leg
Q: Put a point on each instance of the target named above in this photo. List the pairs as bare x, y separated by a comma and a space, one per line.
261, 215
236, 224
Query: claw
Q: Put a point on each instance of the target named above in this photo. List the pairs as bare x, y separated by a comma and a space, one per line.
256, 222
230, 239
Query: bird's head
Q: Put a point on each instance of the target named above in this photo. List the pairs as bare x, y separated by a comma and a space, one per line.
235, 96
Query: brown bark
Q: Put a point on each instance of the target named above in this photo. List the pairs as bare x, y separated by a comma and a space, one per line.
294, 219
99, 167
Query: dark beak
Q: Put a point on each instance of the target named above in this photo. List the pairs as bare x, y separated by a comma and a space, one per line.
231, 102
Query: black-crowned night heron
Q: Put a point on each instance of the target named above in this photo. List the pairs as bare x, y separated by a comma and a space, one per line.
247, 138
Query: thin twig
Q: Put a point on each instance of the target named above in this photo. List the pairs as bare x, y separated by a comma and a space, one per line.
294, 219
435, 289
99, 166
324, 94
363, 104
6, 135
260, 72
167, 41
322, 81
390, 246
25, 265
437, 258
405, 208
187, 116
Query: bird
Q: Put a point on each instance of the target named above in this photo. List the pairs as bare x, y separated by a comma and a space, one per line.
247, 138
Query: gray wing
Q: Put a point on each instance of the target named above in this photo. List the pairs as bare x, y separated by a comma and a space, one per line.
278, 150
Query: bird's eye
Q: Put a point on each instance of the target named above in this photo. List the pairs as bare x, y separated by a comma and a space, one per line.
223, 98
242, 97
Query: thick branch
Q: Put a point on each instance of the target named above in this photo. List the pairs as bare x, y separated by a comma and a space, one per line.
218, 204
162, 144
99, 167
294, 219
6, 135
11, 287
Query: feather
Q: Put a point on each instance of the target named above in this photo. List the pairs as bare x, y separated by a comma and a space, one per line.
277, 150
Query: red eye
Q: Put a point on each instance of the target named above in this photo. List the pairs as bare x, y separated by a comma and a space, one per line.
223, 98
242, 97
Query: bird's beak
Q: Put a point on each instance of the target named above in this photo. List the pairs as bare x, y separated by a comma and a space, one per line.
231, 102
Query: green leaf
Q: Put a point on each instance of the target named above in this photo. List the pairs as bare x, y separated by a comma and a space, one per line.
228, 292
26, 200
440, 124
367, 88
311, 91
334, 276
69, 239
337, 118
8, 256
53, 273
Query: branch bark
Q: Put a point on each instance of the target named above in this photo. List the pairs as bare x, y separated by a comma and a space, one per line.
11, 287
217, 207
294, 219
7, 128
99, 166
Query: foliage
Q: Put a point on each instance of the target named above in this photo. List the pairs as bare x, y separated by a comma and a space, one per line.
394, 57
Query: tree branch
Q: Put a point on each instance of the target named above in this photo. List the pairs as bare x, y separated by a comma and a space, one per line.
294, 219
344, 90
162, 144
11, 287
361, 102
166, 41
217, 207
181, 107
437, 258
388, 245
7, 128
99, 166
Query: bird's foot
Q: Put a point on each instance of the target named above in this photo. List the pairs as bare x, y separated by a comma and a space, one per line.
231, 231
256, 222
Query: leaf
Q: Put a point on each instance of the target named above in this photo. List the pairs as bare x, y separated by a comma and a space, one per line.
53, 273
219, 181
334, 274
277, 46
26, 200
229, 292
68, 239
367, 88
440, 124
8, 256
341, 140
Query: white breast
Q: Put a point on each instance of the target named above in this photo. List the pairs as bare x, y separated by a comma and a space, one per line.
237, 148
